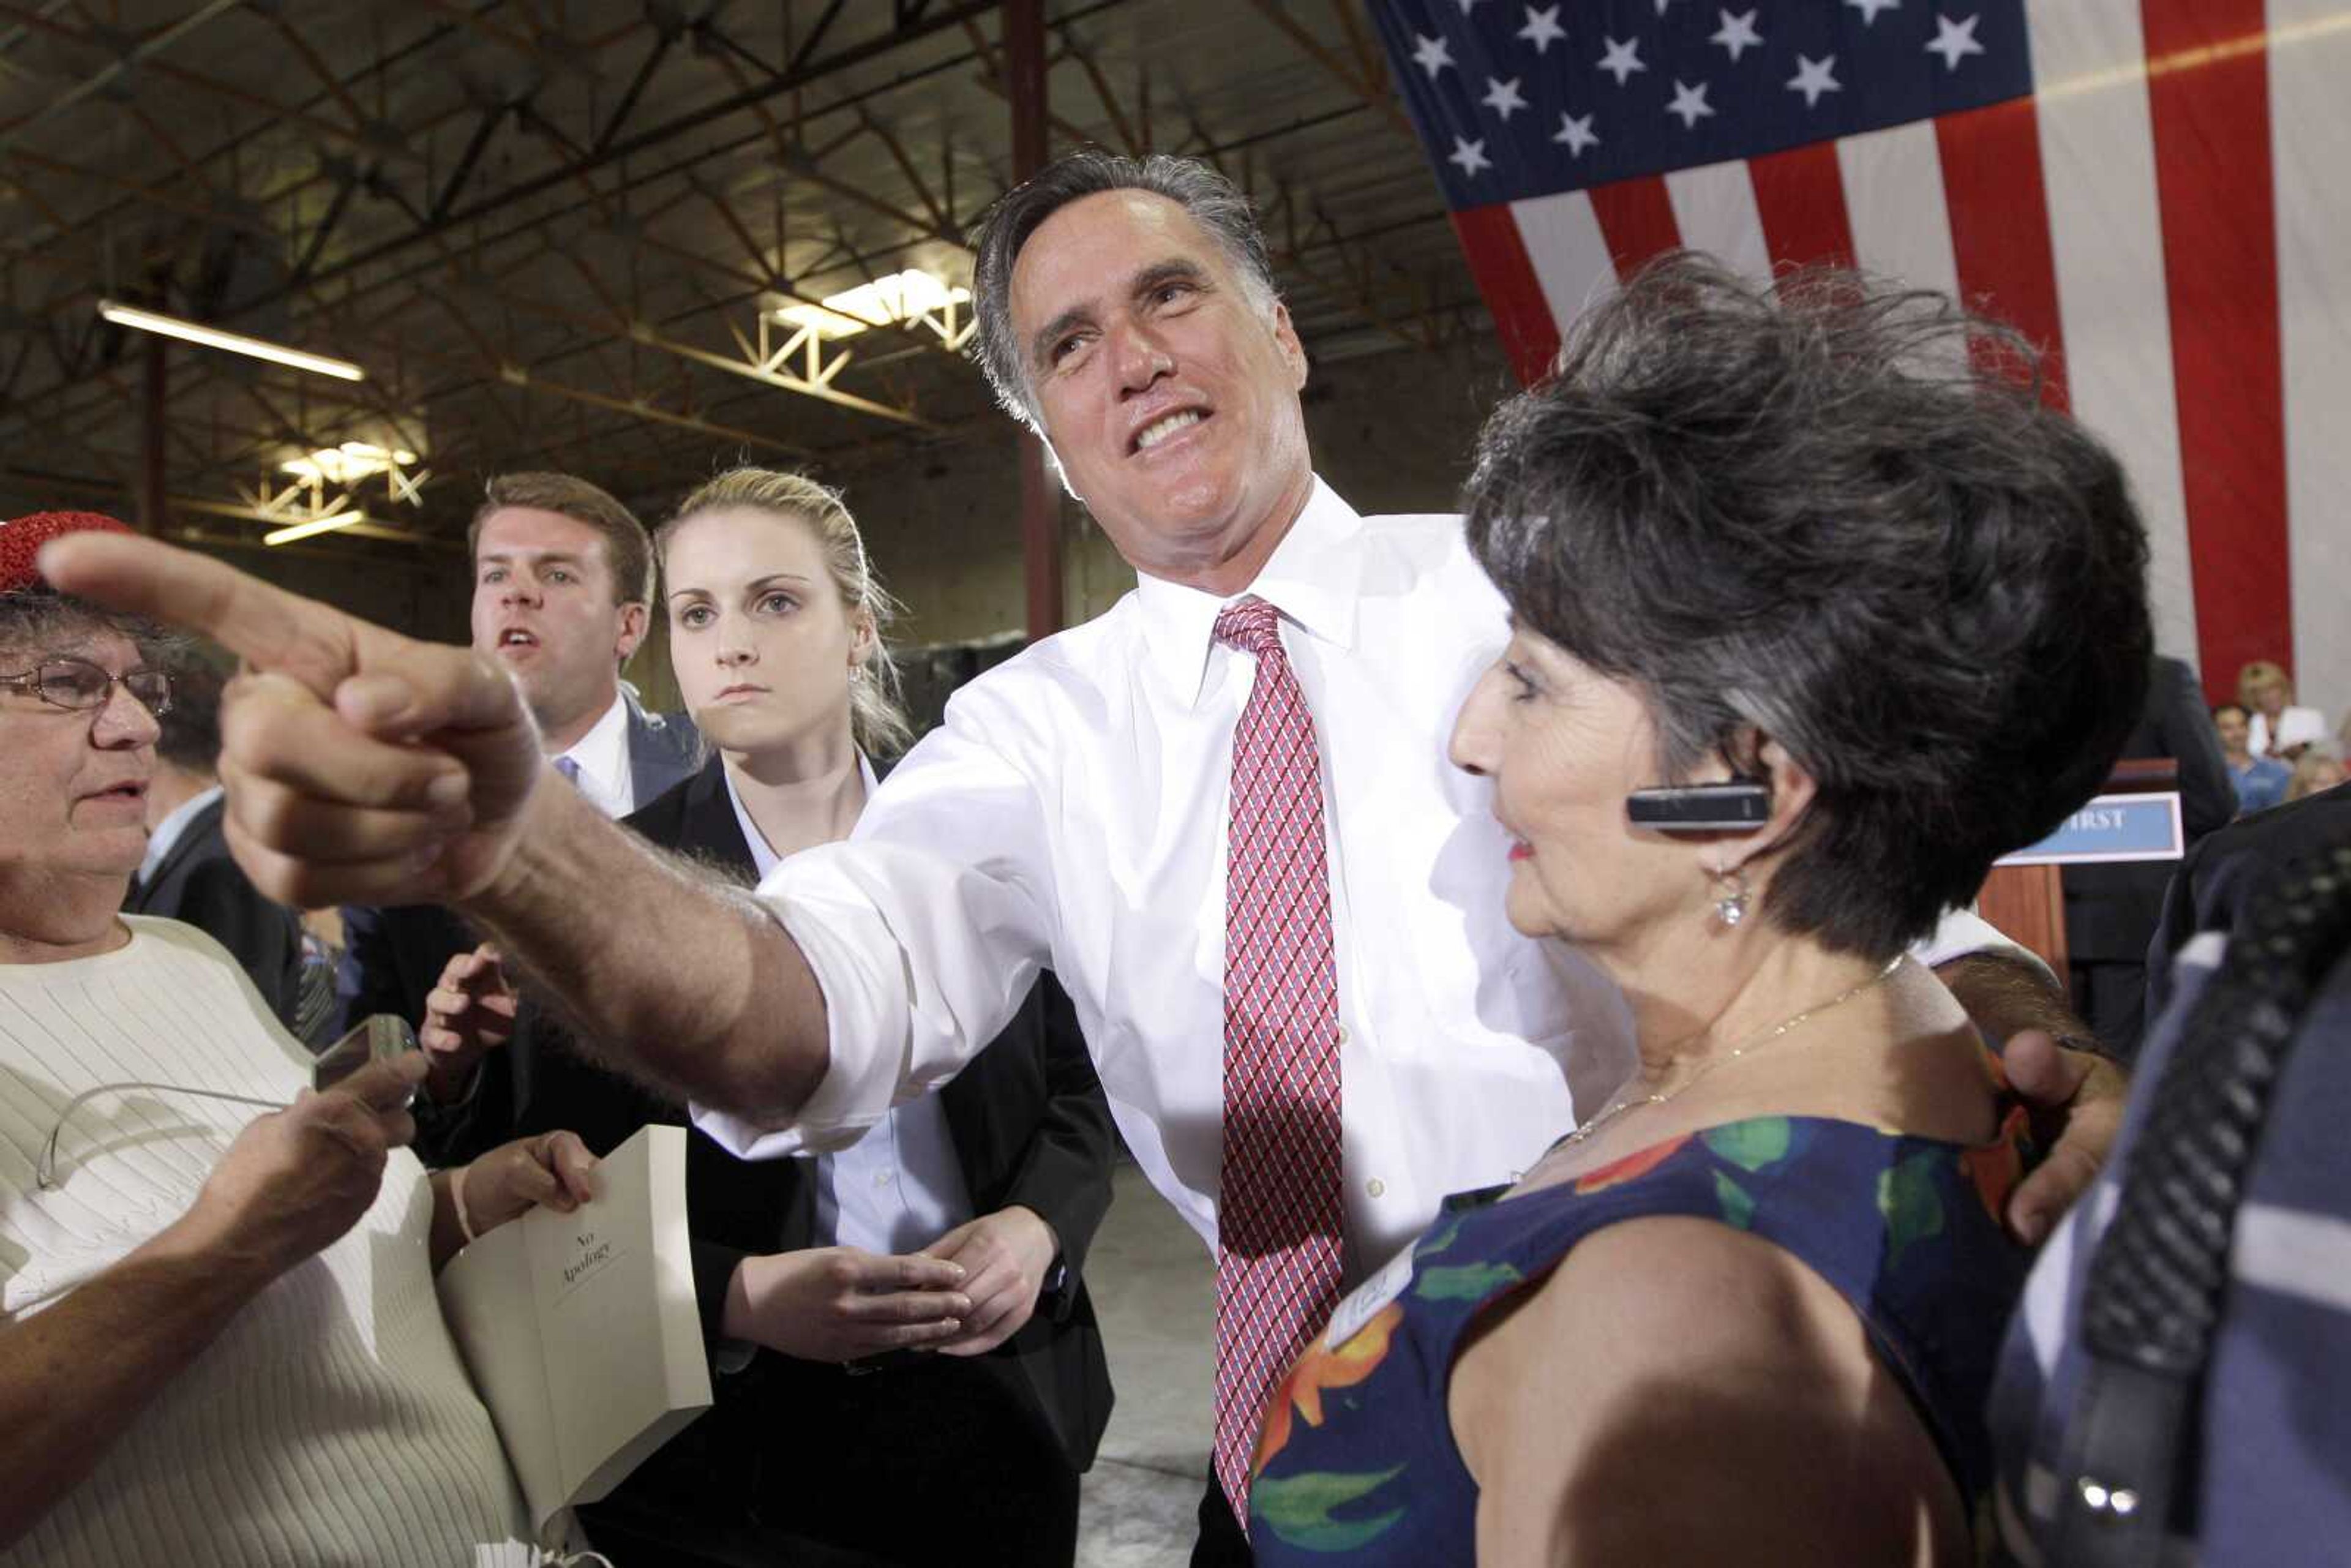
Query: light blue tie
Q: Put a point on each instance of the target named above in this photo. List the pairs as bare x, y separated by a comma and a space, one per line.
569, 769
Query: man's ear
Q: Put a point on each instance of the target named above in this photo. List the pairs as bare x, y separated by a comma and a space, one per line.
1293, 352
1793, 788
634, 621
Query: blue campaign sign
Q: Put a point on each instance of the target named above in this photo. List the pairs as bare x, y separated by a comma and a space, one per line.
2110, 828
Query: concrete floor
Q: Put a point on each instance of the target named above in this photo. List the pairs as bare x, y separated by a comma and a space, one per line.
1155, 1289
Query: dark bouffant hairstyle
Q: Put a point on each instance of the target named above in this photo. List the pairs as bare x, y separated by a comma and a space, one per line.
1835, 513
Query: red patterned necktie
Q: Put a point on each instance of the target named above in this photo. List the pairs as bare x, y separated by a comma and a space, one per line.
1278, 1215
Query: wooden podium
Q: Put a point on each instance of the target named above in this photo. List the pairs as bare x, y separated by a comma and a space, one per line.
2028, 901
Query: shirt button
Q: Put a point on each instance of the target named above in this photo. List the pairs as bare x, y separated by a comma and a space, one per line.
1342, 1034
880, 1178
1375, 1186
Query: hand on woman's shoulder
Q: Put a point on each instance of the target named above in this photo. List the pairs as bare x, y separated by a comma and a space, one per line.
1678, 1392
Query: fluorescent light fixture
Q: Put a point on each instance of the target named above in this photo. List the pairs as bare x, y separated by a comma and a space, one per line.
901, 296
325, 525
347, 463
234, 343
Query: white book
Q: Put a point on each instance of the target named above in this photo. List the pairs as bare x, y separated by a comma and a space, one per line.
579, 1329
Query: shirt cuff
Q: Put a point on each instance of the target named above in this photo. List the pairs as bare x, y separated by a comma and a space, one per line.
1964, 934
867, 1022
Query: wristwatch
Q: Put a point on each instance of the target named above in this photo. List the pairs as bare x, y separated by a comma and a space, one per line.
1058, 1297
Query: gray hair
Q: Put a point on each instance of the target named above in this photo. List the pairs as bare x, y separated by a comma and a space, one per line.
39, 619
1212, 201
1834, 514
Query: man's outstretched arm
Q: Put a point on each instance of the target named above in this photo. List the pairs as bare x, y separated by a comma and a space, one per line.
659, 966
363, 767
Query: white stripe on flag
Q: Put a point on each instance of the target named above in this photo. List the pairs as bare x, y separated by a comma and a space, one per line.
1565, 248
1894, 196
2310, 120
2098, 163
1715, 209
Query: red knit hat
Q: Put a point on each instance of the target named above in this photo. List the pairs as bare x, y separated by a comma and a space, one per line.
21, 540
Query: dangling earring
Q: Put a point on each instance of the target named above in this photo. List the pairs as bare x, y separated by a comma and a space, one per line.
1731, 897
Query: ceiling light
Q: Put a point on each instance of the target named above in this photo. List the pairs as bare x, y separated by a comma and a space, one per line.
234, 343
328, 524
347, 463
902, 297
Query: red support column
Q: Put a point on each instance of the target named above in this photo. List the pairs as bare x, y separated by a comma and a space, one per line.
1040, 503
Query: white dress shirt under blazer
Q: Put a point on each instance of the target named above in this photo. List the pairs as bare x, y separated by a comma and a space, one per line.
900, 1187
1072, 812
602, 757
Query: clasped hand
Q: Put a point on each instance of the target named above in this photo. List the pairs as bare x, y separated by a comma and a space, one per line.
964, 1294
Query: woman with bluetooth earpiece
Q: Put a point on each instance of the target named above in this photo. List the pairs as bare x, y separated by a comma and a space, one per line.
1818, 609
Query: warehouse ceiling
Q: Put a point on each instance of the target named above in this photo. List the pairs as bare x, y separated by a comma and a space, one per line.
590, 236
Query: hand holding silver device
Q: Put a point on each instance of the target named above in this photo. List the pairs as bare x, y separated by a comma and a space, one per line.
376, 1039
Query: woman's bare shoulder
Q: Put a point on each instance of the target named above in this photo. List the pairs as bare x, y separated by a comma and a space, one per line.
1679, 1391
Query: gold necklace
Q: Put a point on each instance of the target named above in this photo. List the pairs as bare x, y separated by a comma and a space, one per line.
1616, 1108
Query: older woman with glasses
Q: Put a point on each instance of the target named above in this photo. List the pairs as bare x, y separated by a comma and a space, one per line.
218, 1337
1814, 614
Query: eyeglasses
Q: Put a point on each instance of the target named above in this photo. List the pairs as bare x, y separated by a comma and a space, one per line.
80, 685
44, 1169
377, 1037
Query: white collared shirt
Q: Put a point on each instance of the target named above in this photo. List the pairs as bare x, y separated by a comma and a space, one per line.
900, 1187
602, 757
1072, 813
167, 832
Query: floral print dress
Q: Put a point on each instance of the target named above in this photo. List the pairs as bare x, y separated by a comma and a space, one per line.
1357, 1463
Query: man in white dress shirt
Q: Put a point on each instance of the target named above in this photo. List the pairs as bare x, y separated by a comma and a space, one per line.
1072, 813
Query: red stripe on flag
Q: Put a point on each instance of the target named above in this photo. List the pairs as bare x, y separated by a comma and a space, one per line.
1998, 212
1497, 260
2211, 116
1800, 194
1636, 219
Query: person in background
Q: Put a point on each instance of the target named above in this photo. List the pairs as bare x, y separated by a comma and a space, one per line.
2279, 728
563, 583
2260, 782
1747, 1310
188, 873
2314, 773
219, 1340
2111, 910
958, 1225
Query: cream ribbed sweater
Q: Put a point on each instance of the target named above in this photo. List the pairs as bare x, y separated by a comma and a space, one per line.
331, 1422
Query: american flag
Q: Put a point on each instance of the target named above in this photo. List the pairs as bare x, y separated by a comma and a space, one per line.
2159, 191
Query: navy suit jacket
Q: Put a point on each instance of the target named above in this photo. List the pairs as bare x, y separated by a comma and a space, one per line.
393, 956
198, 882
1028, 1118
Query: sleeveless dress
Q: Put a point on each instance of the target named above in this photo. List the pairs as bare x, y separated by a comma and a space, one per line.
1357, 1462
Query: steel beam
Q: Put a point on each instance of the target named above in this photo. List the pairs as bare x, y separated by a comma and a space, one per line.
1040, 506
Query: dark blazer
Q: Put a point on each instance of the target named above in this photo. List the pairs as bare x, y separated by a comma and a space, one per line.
198, 882
393, 956
2216, 884
2110, 909
1028, 1117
